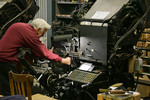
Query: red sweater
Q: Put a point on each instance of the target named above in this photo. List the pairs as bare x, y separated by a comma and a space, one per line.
23, 35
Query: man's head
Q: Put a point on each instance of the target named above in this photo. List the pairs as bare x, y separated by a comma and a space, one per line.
40, 25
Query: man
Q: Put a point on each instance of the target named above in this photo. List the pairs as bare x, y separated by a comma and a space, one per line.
23, 35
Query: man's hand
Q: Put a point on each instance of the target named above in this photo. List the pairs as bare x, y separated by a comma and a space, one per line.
51, 49
66, 60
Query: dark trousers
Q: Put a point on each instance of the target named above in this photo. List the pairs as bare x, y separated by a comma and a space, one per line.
14, 97
4, 78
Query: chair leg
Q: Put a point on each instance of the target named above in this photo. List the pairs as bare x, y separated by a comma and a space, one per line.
100, 97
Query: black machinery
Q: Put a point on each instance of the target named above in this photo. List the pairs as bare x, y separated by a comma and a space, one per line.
16, 11
104, 36
100, 39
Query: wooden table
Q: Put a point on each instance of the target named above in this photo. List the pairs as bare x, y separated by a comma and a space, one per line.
104, 96
41, 97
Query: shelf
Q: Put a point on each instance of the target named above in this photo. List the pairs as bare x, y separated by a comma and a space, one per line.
143, 81
69, 3
146, 74
140, 48
146, 32
146, 70
64, 9
145, 57
144, 40
146, 66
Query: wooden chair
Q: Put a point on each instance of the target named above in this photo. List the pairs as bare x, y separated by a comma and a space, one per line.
21, 84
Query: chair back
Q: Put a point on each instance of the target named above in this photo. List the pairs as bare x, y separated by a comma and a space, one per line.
20, 84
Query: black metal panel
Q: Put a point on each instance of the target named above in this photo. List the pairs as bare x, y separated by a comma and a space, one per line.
93, 43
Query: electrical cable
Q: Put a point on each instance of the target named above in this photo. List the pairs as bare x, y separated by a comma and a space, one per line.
128, 32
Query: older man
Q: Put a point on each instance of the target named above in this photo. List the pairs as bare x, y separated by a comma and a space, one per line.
23, 35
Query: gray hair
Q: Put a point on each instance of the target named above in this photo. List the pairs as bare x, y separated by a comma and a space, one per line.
40, 23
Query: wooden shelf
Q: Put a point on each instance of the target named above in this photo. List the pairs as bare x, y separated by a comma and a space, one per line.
140, 48
146, 66
148, 74
144, 40
146, 32
145, 57
143, 81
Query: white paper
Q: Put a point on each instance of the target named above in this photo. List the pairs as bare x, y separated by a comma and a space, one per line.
100, 15
86, 67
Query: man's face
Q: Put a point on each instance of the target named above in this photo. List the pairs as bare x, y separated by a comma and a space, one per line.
41, 32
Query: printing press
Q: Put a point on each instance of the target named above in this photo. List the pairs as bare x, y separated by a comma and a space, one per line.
100, 40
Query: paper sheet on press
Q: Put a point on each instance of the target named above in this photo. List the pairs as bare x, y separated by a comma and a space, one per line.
100, 15
86, 67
